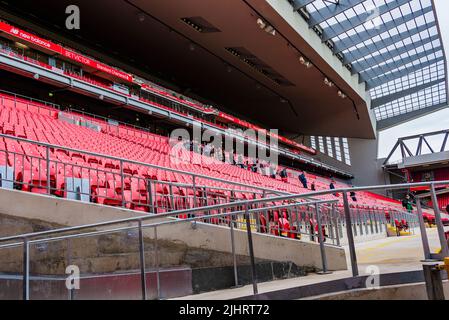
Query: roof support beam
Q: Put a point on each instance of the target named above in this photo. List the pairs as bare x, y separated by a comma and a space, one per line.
400, 73
443, 146
368, 34
428, 145
375, 103
332, 10
407, 149
355, 21
419, 148
380, 70
397, 120
391, 152
299, 4
361, 65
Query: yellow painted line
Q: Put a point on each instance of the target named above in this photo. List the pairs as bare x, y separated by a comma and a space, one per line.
393, 241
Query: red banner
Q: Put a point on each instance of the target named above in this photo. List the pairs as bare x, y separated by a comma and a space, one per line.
96, 65
30, 38
251, 126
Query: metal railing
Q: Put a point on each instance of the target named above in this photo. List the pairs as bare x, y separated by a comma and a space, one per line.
249, 210
117, 183
37, 103
115, 165
117, 174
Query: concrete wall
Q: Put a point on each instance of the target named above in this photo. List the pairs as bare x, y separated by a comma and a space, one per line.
324, 158
365, 167
265, 246
209, 237
284, 9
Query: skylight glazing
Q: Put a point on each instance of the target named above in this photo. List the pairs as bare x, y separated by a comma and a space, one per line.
394, 46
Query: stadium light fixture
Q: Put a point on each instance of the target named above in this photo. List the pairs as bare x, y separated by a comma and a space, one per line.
305, 62
141, 17
341, 94
328, 83
21, 45
268, 28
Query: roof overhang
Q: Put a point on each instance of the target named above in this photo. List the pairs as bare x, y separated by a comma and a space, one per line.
395, 47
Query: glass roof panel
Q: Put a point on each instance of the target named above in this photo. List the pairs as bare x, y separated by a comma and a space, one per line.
394, 45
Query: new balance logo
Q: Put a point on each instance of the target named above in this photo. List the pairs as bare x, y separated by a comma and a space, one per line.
73, 20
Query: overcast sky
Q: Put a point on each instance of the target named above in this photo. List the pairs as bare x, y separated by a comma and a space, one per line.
433, 122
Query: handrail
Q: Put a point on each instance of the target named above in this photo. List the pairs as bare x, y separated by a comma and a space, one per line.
156, 216
222, 206
184, 185
316, 193
75, 110
17, 95
48, 145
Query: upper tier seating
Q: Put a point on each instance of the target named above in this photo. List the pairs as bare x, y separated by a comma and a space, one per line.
443, 201
30, 120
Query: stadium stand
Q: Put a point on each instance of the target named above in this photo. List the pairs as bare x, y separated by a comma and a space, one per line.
36, 122
89, 142
114, 182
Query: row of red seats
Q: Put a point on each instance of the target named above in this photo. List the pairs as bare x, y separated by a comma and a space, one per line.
21, 120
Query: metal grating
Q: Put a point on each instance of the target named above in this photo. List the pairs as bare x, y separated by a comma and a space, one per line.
394, 45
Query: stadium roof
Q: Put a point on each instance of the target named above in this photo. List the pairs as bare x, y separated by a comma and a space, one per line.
394, 45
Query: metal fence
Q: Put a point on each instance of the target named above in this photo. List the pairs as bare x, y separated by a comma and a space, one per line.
331, 220
91, 177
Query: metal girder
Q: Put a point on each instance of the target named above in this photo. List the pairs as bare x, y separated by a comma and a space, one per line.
326, 12
421, 139
427, 144
351, 23
419, 148
391, 153
393, 65
443, 145
416, 136
364, 64
375, 103
349, 42
400, 73
399, 119
298, 4
407, 149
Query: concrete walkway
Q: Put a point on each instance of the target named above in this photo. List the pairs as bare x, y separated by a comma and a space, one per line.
395, 254
390, 255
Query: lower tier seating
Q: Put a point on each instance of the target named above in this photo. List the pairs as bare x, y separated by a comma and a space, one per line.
78, 174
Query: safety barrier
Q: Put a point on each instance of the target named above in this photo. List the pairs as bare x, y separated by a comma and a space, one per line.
248, 210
